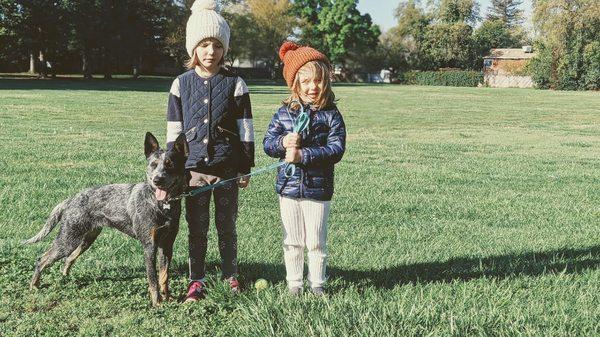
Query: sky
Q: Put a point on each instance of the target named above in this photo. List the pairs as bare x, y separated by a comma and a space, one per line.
382, 11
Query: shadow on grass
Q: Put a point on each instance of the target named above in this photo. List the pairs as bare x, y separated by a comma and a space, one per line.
568, 261
563, 261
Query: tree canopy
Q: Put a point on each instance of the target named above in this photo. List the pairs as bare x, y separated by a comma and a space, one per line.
133, 36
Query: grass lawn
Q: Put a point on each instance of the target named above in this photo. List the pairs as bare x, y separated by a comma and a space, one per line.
458, 211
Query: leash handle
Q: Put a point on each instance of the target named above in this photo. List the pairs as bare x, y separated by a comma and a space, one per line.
300, 124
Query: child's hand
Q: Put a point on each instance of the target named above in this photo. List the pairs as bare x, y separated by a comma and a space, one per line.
291, 140
244, 181
293, 155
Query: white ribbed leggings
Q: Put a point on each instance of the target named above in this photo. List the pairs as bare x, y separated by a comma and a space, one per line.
304, 225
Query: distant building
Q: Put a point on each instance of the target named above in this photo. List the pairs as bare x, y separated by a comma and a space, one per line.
505, 67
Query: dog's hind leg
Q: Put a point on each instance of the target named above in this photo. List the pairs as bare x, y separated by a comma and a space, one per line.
55, 253
88, 239
67, 240
43, 261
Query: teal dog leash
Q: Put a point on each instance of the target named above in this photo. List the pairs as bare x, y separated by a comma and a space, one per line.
300, 124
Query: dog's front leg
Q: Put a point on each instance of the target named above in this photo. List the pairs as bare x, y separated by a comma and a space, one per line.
165, 253
165, 248
150, 259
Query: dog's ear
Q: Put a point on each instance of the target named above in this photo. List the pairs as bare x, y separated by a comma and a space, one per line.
181, 145
150, 144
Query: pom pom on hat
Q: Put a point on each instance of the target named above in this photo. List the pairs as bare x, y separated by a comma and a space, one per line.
204, 4
285, 47
295, 56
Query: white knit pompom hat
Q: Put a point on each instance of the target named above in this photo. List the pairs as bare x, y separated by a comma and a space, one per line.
205, 22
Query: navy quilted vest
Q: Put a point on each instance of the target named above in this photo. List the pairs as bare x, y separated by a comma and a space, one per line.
208, 118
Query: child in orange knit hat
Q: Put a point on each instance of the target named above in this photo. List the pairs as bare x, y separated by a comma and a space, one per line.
305, 196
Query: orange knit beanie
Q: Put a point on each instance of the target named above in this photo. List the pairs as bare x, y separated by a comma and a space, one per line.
295, 56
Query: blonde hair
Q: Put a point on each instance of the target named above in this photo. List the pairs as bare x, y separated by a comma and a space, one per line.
194, 61
320, 70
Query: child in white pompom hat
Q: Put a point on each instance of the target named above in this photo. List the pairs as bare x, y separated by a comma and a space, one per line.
211, 106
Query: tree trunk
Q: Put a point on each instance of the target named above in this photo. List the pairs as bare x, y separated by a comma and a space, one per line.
107, 66
85, 68
31, 64
136, 67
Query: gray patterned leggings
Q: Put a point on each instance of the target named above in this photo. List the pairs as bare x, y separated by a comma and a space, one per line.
198, 219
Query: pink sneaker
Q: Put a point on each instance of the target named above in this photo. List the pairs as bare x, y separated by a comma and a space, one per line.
195, 292
234, 285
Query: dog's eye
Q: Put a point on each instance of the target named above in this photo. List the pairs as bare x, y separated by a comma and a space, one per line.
168, 164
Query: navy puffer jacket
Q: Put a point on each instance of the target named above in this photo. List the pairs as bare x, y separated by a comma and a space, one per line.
323, 144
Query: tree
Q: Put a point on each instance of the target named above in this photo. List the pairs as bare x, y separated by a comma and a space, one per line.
591, 66
12, 51
274, 23
568, 30
346, 31
448, 45
119, 35
447, 39
111, 35
495, 34
174, 42
393, 53
340, 31
452, 11
244, 32
308, 12
507, 11
406, 39
83, 19
34, 26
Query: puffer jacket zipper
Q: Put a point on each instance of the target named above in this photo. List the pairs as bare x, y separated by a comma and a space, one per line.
225, 130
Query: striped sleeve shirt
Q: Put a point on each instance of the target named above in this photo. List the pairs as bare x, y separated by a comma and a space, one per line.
174, 114
242, 113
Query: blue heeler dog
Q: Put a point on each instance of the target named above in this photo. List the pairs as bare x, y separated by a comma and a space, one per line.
138, 210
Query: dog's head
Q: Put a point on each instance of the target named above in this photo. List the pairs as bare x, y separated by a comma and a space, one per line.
166, 169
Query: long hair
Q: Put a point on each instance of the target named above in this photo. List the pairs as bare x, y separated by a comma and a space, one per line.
194, 61
321, 71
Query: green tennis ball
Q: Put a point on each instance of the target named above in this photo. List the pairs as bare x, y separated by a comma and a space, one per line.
261, 284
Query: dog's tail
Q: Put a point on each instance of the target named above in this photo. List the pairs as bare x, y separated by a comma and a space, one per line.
52, 221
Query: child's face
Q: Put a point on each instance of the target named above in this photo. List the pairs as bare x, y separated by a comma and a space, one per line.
310, 84
210, 52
